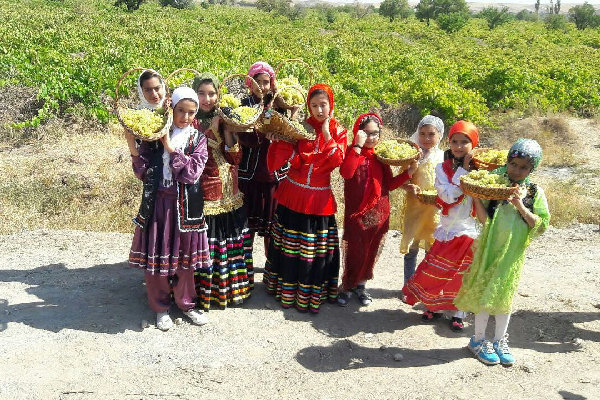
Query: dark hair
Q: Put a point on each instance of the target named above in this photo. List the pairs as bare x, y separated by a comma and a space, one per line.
197, 83
149, 74
368, 119
317, 92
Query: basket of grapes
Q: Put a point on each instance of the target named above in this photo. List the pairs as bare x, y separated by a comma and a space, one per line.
288, 129
144, 123
231, 92
290, 91
397, 152
485, 185
427, 196
489, 159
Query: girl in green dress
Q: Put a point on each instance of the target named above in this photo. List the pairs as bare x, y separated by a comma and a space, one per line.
489, 285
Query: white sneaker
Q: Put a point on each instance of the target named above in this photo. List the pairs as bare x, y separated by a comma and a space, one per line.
163, 321
197, 317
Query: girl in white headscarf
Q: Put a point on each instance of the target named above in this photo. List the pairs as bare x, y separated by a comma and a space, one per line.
420, 220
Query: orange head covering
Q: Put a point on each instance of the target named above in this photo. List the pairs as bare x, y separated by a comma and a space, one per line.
466, 128
326, 88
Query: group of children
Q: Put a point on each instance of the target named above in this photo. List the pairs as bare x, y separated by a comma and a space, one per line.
207, 190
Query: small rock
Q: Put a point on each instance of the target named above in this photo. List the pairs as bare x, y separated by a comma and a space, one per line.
368, 335
398, 357
383, 347
527, 368
268, 306
577, 342
144, 324
523, 295
597, 305
178, 321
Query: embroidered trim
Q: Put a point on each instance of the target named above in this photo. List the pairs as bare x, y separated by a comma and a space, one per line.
310, 170
215, 207
307, 186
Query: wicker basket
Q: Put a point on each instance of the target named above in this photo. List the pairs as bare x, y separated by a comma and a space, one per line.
274, 122
301, 90
241, 91
167, 117
405, 162
484, 192
480, 164
427, 198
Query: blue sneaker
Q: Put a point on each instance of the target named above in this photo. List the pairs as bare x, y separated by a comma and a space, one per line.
483, 351
501, 348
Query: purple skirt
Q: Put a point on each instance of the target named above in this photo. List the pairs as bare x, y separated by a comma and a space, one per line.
260, 204
162, 249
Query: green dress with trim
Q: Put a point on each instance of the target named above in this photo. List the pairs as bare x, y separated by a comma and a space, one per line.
490, 283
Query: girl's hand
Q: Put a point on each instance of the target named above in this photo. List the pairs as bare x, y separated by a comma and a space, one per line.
412, 168
294, 112
133, 150
467, 161
230, 136
515, 199
325, 129
166, 141
361, 138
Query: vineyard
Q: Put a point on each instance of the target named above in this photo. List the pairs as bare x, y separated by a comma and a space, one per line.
74, 51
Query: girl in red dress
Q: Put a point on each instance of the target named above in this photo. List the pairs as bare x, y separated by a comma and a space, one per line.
367, 214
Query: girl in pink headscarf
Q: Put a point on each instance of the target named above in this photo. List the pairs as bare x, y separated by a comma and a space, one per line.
367, 213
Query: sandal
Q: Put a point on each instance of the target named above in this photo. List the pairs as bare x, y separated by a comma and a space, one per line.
428, 315
457, 324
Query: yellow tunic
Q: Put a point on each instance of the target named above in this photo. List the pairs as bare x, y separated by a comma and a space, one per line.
420, 220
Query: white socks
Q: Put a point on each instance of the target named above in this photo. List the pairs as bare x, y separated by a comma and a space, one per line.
481, 321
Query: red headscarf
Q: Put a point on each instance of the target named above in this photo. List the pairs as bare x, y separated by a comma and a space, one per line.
333, 124
466, 128
375, 173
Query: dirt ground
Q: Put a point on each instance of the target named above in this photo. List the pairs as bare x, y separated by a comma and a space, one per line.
71, 316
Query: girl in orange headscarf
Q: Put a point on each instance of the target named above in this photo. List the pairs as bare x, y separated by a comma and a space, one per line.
303, 257
367, 214
439, 276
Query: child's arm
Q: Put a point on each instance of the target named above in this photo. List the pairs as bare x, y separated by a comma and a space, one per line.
530, 218
279, 154
353, 156
401, 179
480, 210
187, 169
448, 190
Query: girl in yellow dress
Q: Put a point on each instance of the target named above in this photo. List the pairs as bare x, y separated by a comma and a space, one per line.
420, 220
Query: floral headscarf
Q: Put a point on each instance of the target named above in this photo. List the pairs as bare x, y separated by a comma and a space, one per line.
526, 148
434, 154
260, 68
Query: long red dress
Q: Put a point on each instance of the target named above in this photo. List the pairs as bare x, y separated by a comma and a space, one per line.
367, 213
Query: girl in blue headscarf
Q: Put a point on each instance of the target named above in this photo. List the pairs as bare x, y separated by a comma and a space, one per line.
489, 285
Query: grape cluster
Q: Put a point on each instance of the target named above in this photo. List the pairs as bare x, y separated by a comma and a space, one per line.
244, 114
291, 91
486, 179
493, 156
143, 122
229, 100
395, 151
299, 127
431, 192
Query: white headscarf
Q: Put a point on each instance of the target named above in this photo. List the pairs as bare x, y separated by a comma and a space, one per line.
435, 154
179, 136
145, 103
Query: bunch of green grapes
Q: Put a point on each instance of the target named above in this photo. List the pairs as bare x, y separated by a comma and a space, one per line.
143, 122
431, 192
493, 156
229, 100
290, 90
299, 127
244, 114
486, 178
395, 151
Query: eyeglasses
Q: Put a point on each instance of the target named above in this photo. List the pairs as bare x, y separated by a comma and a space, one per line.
372, 134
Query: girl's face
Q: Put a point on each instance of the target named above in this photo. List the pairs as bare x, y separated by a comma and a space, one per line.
518, 169
153, 90
184, 113
207, 94
319, 107
372, 130
428, 137
460, 145
264, 83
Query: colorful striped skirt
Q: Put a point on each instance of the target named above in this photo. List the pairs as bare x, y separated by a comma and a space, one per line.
303, 260
260, 204
230, 278
439, 276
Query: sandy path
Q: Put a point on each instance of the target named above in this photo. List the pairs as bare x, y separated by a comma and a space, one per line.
70, 314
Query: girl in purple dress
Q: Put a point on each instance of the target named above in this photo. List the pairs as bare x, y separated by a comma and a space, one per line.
170, 241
